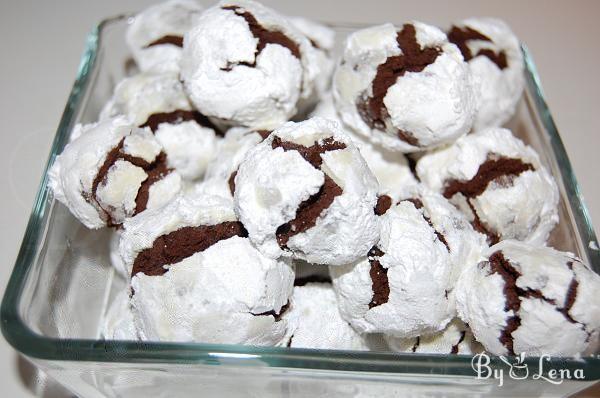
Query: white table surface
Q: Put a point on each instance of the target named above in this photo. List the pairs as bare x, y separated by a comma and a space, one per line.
41, 42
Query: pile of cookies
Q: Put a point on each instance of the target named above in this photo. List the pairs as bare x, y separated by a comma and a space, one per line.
264, 191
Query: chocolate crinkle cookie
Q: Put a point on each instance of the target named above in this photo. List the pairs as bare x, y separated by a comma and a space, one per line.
155, 35
245, 64
531, 299
498, 182
157, 101
404, 286
406, 88
493, 53
112, 171
180, 288
306, 192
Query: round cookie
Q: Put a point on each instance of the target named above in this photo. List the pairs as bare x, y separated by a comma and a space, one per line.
404, 288
182, 291
456, 338
155, 35
306, 192
158, 101
494, 55
111, 172
315, 322
244, 64
498, 182
531, 299
406, 89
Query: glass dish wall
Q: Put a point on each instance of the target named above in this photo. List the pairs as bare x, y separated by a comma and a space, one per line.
63, 282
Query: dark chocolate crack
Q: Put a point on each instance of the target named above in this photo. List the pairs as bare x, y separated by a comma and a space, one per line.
177, 117
314, 44
496, 168
499, 265
415, 201
231, 182
167, 39
461, 38
155, 174
312, 154
384, 202
264, 36
317, 46
311, 279
454, 349
412, 165
419, 206
276, 315
181, 244
491, 236
155, 171
379, 280
571, 296
414, 58
417, 343
264, 133
309, 210
514, 294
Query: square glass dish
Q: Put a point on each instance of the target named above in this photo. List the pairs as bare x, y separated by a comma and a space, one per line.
62, 281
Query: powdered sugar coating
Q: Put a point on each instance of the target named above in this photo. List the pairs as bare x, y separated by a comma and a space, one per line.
212, 186
118, 321
557, 312
142, 95
196, 300
500, 89
73, 173
391, 168
229, 79
271, 183
189, 145
186, 210
315, 322
525, 208
169, 18
433, 106
425, 243
456, 338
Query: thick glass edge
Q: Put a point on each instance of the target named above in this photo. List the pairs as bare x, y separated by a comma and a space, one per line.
576, 202
34, 345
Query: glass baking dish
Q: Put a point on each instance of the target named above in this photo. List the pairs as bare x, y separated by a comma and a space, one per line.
62, 281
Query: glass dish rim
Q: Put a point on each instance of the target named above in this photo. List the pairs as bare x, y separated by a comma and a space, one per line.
34, 345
